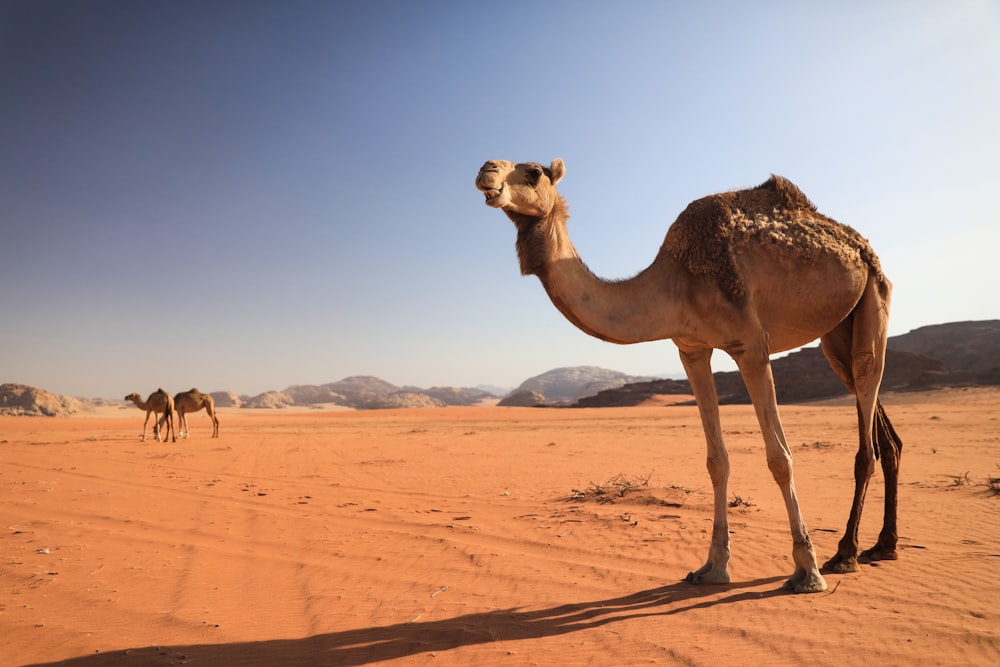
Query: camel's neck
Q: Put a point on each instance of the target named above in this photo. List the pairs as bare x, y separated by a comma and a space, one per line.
629, 311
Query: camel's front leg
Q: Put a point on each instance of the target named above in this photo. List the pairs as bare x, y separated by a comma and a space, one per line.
755, 368
144, 424
699, 371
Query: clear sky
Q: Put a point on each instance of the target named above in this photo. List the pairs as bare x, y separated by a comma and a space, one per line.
246, 195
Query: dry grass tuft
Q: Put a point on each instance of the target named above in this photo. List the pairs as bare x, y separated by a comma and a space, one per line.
616, 487
961, 480
739, 501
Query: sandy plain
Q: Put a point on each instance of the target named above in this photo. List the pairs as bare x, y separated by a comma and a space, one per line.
456, 536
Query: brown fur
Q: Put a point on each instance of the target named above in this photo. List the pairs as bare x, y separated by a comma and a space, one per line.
534, 236
707, 235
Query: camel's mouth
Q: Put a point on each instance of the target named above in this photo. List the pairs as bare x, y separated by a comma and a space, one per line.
493, 195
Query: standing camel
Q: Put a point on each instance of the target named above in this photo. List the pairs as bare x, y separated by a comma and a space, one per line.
192, 401
158, 402
752, 272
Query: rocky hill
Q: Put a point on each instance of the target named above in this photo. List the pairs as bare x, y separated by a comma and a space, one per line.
269, 399
955, 354
523, 399
365, 392
403, 399
227, 399
456, 396
565, 385
961, 346
22, 400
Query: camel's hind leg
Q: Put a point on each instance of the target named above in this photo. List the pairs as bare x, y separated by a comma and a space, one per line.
890, 448
167, 420
856, 352
215, 420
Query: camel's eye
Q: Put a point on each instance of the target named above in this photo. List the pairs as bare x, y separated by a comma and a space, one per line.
534, 174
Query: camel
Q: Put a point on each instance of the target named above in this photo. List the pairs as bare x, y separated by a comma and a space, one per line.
752, 273
158, 402
192, 401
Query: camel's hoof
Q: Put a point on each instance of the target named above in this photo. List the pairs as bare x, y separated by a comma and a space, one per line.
806, 582
877, 553
707, 576
841, 565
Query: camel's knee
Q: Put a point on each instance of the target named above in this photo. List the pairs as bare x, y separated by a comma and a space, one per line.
781, 468
864, 366
718, 470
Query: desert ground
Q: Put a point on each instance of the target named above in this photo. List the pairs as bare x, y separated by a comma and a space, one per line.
487, 536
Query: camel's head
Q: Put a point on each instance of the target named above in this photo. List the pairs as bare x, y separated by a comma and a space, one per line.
526, 188
133, 396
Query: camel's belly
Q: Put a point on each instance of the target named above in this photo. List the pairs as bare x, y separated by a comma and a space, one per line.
797, 303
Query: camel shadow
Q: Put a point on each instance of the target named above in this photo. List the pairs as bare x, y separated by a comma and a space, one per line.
384, 643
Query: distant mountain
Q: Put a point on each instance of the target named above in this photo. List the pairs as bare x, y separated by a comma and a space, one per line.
961, 346
358, 390
366, 392
269, 399
309, 394
492, 389
22, 400
633, 393
955, 354
403, 399
456, 396
523, 399
227, 399
565, 385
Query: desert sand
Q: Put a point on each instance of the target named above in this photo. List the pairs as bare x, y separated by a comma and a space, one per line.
465, 536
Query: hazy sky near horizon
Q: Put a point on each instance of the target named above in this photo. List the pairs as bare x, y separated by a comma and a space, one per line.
245, 195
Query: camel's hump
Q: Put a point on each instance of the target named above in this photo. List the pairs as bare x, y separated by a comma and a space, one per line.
707, 235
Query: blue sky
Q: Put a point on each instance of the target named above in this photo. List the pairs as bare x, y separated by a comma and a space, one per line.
247, 195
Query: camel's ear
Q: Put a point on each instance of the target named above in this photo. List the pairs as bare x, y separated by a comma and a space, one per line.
558, 170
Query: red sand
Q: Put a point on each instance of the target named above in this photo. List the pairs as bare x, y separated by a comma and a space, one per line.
447, 536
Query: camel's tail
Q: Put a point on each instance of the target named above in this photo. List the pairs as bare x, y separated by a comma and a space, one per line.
885, 434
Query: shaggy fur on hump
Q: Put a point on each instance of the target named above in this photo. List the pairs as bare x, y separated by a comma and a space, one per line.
709, 233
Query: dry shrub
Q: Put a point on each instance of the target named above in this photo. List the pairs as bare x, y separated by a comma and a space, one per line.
616, 487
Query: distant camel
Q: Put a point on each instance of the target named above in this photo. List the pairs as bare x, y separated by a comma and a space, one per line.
159, 401
193, 401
